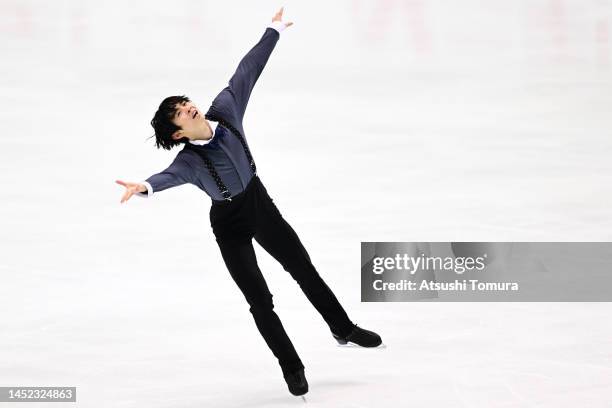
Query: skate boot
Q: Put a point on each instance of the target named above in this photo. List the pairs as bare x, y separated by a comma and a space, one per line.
297, 382
360, 337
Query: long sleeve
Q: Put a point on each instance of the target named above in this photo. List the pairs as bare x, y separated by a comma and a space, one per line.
250, 67
178, 173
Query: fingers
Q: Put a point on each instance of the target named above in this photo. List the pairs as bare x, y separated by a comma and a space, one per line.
130, 189
279, 15
126, 196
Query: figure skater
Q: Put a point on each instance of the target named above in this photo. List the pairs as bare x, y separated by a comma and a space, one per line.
216, 158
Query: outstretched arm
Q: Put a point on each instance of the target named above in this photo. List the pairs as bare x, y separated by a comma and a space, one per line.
178, 173
252, 64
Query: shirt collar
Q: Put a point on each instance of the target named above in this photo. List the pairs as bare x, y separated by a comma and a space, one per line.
213, 126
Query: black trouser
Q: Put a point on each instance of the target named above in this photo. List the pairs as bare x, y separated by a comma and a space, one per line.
252, 214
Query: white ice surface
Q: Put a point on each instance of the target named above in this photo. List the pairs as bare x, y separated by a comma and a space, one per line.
373, 121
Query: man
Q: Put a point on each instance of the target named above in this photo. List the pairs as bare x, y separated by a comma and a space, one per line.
220, 163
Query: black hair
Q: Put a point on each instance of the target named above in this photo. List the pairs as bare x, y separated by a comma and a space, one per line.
163, 125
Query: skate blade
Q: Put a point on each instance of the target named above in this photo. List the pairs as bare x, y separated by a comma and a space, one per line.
353, 345
303, 398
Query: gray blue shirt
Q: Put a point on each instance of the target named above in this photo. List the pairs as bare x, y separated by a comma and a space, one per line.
224, 149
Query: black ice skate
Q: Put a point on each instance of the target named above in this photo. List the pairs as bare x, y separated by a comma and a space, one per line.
297, 382
360, 337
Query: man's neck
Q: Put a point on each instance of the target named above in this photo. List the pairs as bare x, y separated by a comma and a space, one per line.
203, 139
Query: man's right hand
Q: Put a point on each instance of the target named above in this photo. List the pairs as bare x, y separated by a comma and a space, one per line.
130, 189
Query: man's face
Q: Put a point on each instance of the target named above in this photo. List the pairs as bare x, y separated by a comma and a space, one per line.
191, 121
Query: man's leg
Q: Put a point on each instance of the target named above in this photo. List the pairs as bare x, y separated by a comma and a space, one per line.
279, 239
242, 264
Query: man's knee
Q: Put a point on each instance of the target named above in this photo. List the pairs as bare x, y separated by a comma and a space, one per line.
312, 283
300, 266
262, 305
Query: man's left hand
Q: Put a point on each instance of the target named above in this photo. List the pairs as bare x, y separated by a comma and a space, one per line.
279, 16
